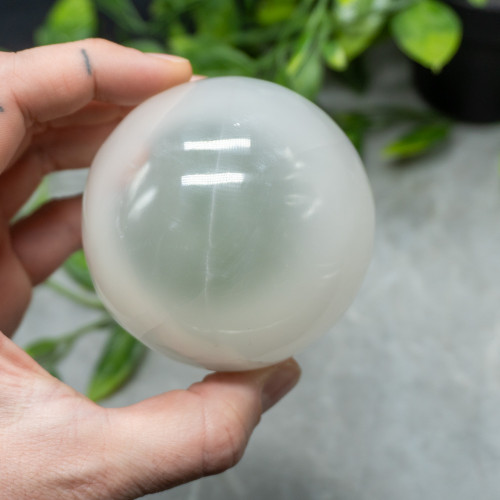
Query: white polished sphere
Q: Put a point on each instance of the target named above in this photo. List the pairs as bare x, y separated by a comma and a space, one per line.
228, 222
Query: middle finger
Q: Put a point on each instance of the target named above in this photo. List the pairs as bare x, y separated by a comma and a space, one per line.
54, 150
93, 114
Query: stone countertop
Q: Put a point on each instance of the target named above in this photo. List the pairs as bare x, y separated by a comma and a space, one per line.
401, 400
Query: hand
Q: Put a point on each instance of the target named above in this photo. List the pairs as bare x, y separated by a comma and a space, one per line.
57, 105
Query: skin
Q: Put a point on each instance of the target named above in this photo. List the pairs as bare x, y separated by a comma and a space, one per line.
57, 105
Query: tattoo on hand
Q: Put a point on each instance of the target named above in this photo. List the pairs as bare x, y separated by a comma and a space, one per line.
1, 109
87, 61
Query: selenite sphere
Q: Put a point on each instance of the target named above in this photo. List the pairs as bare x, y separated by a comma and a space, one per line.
228, 222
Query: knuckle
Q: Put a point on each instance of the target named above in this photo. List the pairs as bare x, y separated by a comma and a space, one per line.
8, 74
225, 441
96, 43
7, 63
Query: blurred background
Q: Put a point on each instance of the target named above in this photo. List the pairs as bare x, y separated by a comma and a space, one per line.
401, 400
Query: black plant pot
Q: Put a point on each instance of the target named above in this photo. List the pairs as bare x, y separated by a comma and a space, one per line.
468, 88
19, 19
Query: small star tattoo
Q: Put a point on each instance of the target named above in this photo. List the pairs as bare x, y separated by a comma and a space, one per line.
88, 67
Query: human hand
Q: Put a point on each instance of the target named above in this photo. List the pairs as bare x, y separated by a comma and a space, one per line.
57, 105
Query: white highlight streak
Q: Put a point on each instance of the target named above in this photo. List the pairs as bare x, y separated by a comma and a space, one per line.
218, 144
142, 202
212, 179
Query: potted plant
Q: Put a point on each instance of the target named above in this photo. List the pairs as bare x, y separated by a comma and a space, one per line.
18, 20
292, 42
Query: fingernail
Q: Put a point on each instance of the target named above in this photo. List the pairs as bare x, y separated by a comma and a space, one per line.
195, 78
280, 382
169, 57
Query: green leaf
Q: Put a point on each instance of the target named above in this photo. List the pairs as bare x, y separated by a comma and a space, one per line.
124, 14
47, 352
418, 141
76, 267
355, 125
68, 20
429, 32
304, 71
301, 52
308, 79
212, 57
359, 22
37, 199
165, 12
118, 362
478, 3
273, 12
335, 56
357, 37
347, 12
146, 45
216, 19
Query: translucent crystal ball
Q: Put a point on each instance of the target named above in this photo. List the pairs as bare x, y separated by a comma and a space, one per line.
228, 223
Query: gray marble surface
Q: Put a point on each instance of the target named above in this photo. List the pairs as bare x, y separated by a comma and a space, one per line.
401, 400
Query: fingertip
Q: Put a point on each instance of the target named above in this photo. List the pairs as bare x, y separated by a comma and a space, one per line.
282, 378
178, 69
272, 383
170, 58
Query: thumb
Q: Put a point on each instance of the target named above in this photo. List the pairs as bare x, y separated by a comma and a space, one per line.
180, 436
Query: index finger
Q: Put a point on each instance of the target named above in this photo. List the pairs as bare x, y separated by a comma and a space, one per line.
49, 82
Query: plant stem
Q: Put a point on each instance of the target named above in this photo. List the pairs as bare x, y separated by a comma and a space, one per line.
48, 352
103, 322
74, 296
67, 340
